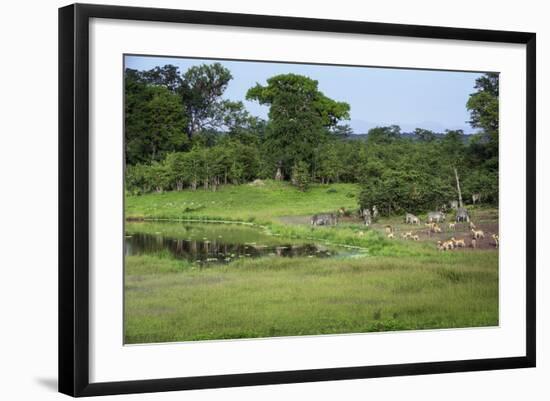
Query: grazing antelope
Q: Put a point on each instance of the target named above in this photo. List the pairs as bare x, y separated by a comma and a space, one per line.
477, 234
429, 225
452, 226
458, 243
495, 237
445, 246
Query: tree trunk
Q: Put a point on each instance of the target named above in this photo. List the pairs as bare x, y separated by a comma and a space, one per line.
460, 204
154, 153
278, 174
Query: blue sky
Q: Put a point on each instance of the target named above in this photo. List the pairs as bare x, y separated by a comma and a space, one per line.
433, 100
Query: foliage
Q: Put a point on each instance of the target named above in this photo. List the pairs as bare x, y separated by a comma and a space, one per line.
483, 104
384, 135
300, 176
182, 134
484, 111
154, 122
300, 117
424, 135
201, 93
166, 109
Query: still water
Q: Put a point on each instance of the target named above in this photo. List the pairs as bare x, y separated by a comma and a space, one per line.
206, 243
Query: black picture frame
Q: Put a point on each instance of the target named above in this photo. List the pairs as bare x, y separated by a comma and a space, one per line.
74, 201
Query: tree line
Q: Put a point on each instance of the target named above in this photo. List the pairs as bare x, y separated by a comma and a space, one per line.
181, 133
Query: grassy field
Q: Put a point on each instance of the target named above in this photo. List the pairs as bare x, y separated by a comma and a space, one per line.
170, 300
244, 202
398, 285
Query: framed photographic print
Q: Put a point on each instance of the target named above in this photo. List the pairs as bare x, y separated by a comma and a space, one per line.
250, 199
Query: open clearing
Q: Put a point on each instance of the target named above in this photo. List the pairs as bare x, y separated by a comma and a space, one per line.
397, 285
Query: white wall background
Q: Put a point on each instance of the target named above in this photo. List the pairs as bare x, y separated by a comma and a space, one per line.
28, 200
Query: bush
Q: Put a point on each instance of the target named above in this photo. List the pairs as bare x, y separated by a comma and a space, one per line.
347, 212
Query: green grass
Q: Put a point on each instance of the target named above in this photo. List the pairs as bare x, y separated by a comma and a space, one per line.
170, 300
264, 206
399, 285
243, 202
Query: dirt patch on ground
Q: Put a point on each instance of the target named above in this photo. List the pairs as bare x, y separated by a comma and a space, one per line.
295, 219
485, 220
461, 231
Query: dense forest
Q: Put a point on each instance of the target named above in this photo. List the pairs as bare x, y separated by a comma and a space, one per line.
182, 134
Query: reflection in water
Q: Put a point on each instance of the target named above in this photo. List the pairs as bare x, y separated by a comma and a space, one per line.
215, 250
